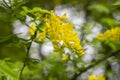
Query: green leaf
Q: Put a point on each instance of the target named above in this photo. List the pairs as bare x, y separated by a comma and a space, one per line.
6, 69
25, 8
109, 22
99, 8
112, 46
117, 3
3, 39
43, 11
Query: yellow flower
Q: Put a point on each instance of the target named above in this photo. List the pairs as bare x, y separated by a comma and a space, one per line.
94, 77
41, 36
65, 58
112, 35
37, 15
32, 30
63, 17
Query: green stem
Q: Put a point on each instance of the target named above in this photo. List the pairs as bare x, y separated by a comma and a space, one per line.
27, 56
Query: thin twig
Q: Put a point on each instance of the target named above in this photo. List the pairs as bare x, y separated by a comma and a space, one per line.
42, 57
27, 56
94, 64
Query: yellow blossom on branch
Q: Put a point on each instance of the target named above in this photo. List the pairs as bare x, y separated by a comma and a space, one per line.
40, 35
32, 30
60, 33
112, 35
94, 77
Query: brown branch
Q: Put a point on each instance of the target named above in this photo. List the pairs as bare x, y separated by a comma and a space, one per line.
94, 64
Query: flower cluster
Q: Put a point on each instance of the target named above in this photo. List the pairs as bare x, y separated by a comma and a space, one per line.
60, 33
94, 77
40, 35
112, 35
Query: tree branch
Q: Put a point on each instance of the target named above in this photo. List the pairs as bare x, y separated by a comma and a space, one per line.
94, 64
27, 55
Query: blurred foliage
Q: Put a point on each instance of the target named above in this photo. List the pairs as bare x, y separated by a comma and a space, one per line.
13, 48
